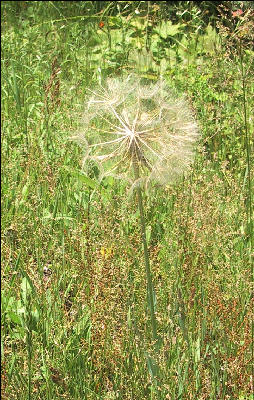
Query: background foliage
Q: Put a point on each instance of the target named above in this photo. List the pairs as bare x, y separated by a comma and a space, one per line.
74, 319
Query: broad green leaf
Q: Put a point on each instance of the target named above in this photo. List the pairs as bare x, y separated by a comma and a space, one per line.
92, 184
167, 29
87, 181
14, 317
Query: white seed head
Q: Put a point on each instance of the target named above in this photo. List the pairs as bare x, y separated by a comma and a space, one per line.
128, 123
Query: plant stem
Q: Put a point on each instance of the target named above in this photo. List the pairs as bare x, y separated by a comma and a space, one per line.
146, 255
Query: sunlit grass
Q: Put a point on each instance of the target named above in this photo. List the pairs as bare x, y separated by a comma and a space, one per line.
74, 319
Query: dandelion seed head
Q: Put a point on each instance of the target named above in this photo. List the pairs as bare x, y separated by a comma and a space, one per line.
128, 123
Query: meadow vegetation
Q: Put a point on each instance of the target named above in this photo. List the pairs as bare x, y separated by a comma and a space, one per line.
75, 323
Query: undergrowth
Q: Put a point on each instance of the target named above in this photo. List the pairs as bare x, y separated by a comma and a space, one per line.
74, 318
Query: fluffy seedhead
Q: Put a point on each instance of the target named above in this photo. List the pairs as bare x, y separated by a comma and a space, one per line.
138, 131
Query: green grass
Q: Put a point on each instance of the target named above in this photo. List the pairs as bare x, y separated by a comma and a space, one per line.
75, 322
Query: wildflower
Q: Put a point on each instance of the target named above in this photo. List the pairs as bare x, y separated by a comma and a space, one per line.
237, 13
139, 132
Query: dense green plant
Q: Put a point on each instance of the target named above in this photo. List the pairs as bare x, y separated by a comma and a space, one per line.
70, 255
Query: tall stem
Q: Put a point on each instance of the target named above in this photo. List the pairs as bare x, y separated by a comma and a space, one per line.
146, 255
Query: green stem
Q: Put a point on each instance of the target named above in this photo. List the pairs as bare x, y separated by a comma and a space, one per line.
146, 255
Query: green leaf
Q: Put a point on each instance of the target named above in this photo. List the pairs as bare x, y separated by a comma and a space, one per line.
167, 29
197, 351
87, 181
35, 315
14, 318
152, 366
92, 184
148, 233
26, 289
